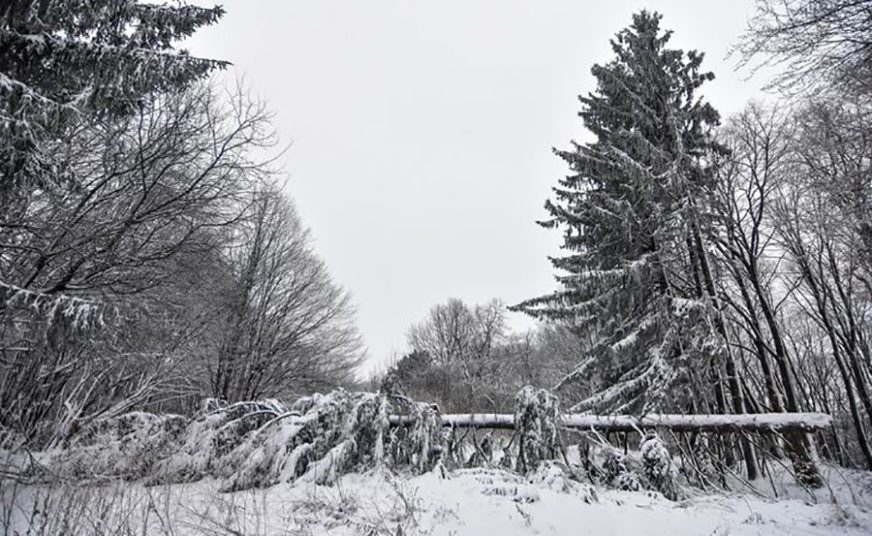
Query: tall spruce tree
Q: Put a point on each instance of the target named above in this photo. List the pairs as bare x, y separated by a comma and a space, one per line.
630, 279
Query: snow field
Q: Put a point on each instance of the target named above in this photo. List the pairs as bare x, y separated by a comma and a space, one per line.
378, 502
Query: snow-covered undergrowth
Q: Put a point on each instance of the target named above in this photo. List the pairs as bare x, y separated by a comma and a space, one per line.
126, 446
537, 414
363, 463
321, 437
465, 502
253, 444
210, 436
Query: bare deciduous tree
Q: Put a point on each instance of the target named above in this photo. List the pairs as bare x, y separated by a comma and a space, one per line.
89, 276
820, 44
747, 187
287, 328
462, 341
823, 225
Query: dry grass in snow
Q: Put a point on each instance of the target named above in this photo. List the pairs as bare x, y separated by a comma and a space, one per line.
468, 501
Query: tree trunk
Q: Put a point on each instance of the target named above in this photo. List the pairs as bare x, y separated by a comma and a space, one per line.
730, 364
800, 423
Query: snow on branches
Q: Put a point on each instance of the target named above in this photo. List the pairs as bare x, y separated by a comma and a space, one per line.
537, 416
257, 444
319, 438
616, 473
657, 466
126, 446
213, 433
337, 433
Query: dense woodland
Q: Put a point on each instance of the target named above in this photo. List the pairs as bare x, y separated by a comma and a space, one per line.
710, 265
150, 256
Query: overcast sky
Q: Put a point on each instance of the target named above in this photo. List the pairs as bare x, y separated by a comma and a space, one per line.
422, 131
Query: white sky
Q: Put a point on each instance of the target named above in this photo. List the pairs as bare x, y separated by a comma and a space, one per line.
422, 131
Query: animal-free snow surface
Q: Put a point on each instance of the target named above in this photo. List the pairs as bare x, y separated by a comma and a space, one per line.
472, 501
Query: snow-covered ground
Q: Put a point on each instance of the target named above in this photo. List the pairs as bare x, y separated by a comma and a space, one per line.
471, 501
279, 461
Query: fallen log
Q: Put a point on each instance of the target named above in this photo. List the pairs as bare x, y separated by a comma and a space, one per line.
757, 422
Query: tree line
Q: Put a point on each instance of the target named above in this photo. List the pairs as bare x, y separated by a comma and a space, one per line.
149, 256
708, 265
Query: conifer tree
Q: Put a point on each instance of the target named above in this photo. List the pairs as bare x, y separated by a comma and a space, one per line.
629, 279
67, 63
61, 58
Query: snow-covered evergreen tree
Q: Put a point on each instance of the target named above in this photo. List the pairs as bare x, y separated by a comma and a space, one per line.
84, 87
59, 58
629, 216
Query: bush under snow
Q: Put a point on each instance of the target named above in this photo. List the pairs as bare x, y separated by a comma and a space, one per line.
210, 436
321, 437
537, 417
126, 446
257, 444
657, 466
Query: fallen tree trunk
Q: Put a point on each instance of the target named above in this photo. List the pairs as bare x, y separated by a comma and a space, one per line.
757, 422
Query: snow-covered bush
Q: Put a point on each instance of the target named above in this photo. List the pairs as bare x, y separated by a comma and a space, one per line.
282, 449
256, 444
483, 453
657, 466
700, 467
127, 446
420, 444
214, 432
537, 416
616, 472
558, 477
653, 469
338, 433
